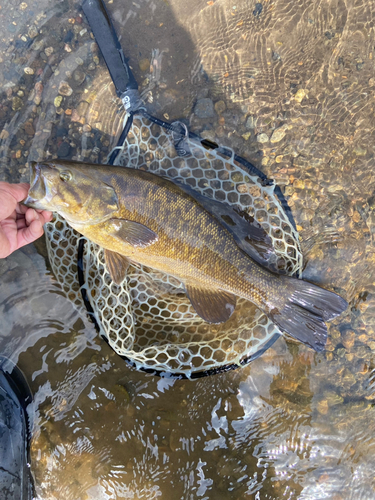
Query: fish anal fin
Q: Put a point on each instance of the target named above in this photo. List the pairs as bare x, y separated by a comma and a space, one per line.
214, 306
117, 265
135, 234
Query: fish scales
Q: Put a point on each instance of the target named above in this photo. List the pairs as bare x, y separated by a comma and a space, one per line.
191, 243
140, 217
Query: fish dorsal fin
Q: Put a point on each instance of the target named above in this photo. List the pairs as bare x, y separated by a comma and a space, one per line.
117, 265
214, 306
135, 234
246, 231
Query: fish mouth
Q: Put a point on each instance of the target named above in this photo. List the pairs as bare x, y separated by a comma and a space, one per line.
37, 189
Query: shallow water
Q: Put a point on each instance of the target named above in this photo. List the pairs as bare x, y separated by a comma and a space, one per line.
293, 424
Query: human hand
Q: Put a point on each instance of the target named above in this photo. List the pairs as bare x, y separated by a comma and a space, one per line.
19, 225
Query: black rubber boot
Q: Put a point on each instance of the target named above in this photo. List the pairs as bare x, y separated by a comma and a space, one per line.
15, 432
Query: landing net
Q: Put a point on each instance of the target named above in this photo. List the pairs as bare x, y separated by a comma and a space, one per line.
148, 318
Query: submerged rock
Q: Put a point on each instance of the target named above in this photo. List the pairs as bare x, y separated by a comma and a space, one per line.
204, 108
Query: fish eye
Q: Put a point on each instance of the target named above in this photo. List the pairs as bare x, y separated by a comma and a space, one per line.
66, 176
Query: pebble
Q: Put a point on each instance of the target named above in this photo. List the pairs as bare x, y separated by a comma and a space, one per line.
65, 89
38, 45
250, 122
58, 100
262, 138
4, 134
279, 133
17, 103
61, 131
82, 108
323, 407
32, 32
300, 95
220, 107
298, 184
29, 129
204, 108
63, 150
359, 151
144, 64
75, 116
356, 217
79, 76
48, 51
28, 70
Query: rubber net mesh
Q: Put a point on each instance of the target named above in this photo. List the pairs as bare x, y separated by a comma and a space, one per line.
148, 318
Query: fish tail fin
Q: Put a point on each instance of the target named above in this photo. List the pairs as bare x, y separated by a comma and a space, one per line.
305, 312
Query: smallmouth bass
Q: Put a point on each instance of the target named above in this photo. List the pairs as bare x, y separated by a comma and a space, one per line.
139, 217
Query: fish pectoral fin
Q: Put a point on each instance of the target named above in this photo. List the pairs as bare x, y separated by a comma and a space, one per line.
134, 233
117, 265
214, 306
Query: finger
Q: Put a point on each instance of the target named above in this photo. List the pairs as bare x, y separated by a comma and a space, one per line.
31, 215
5, 247
18, 191
10, 196
21, 223
47, 215
30, 233
21, 209
42, 215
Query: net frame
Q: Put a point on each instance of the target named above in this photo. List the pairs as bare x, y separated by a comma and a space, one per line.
170, 350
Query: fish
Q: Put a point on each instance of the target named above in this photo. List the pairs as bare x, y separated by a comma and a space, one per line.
142, 218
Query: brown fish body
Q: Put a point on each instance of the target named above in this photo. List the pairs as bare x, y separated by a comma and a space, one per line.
192, 245
154, 222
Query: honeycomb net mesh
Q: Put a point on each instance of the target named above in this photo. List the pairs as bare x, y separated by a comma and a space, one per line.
148, 319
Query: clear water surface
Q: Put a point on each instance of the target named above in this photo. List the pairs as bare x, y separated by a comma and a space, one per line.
293, 424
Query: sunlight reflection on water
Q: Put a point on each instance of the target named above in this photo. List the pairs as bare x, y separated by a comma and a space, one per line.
293, 424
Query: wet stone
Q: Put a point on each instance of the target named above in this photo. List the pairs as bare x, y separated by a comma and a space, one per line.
82, 108
144, 64
61, 131
65, 89
32, 32
262, 138
204, 108
63, 150
300, 95
58, 100
258, 9
220, 107
17, 103
79, 76
279, 134
69, 36
29, 129
250, 122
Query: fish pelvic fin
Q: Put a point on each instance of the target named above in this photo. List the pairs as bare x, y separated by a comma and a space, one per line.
305, 312
117, 265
